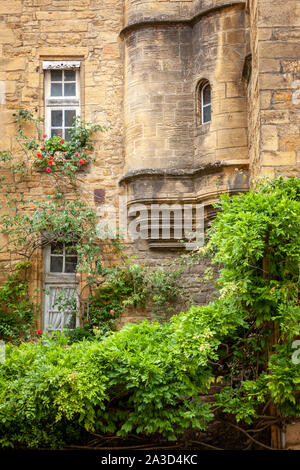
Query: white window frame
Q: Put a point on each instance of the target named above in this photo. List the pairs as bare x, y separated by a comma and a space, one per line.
60, 103
205, 85
63, 281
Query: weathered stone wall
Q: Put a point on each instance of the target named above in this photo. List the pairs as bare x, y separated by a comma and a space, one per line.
154, 145
251, 82
164, 63
36, 30
162, 67
86, 30
148, 10
275, 37
159, 100
169, 156
292, 436
218, 55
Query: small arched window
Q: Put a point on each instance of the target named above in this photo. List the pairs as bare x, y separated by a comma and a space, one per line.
205, 103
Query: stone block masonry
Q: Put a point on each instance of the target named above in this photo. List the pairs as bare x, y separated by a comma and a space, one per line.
143, 63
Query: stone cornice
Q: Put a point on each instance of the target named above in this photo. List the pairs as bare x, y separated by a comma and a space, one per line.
207, 168
177, 21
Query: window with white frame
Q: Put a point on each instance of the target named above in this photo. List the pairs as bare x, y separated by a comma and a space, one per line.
61, 303
62, 96
203, 102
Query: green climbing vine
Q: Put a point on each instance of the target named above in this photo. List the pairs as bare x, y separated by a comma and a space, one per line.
66, 218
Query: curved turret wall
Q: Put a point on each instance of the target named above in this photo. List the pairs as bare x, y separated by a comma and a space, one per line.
159, 102
145, 10
169, 48
219, 47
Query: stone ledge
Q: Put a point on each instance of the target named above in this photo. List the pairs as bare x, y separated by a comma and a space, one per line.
163, 21
204, 169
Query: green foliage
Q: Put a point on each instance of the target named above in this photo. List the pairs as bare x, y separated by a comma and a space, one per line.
57, 220
256, 237
70, 156
147, 377
133, 285
55, 154
109, 289
17, 313
243, 402
135, 380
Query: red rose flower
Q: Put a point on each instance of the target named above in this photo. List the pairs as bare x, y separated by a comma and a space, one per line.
80, 162
48, 169
38, 154
43, 148
44, 136
76, 154
61, 141
57, 287
38, 332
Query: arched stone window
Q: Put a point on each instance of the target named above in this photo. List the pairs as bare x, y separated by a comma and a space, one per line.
203, 102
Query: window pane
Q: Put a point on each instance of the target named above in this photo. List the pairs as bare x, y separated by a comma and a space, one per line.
56, 118
207, 114
56, 264
71, 262
206, 95
56, 75
70, 89
70, 76
56, 89
69, 117
56, 132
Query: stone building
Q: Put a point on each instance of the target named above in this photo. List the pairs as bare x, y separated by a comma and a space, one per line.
200, 96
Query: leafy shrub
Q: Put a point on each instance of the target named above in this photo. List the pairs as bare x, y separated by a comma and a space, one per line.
256, 238
148, 377
17, 312
132, 285
141, 379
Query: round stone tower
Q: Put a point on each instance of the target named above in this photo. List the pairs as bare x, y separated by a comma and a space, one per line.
185, 101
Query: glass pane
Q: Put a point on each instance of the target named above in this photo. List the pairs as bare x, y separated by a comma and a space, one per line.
56, 118
69, 117
56, 132
206, 94
56, 89
56, 75
71, 262
69, 89
57, 248
206, 114
70, 76
67, 135
56, 264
